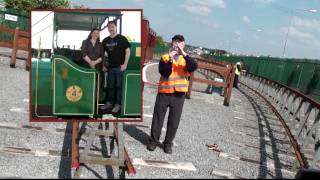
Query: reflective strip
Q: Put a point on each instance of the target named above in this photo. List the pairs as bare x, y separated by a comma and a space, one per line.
173, 86
173, 78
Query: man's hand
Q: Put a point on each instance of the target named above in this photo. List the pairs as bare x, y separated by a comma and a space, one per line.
123, 67
180, 47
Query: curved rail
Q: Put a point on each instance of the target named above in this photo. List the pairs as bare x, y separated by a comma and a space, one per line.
298, 114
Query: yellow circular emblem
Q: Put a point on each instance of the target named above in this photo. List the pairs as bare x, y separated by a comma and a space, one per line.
74, 93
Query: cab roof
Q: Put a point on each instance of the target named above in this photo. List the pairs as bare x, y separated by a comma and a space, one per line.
83, 20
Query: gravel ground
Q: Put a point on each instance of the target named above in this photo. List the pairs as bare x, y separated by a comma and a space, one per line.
14, 112
204, 121
7, 53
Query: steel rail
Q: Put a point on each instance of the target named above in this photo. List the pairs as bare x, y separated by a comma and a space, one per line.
293, 108
128, 164
293, 142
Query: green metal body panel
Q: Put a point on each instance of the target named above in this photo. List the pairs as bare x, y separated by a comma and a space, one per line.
131, 93
300, 74
135, 56
74, 88
306, 75
44, 82
131, 83
43, 87
57, 75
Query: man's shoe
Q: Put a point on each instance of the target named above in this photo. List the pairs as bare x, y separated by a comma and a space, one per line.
116, 108
167, 149
108, 105
151, 146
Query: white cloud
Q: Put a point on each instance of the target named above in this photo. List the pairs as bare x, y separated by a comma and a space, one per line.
210, 23
237, 34
141, 2
307, 24
264, 2
245, 19
296, 33
198, 10
202, 7
300, 34
209, 3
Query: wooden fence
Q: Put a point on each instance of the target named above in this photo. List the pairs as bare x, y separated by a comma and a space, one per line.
212, 69
21, 41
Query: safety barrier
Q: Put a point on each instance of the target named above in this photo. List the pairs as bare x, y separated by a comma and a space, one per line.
20, 42
300, 74
300, 115
214, 69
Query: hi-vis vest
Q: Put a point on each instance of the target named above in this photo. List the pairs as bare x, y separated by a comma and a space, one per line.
237, 72
177, 81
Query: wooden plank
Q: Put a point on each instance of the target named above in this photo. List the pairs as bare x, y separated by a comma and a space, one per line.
222, 71
7, 44
101, 161
164, 164
24, 34
214, 83
6, 29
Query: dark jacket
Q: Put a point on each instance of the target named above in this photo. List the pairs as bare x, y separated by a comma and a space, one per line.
93, 52
165, 68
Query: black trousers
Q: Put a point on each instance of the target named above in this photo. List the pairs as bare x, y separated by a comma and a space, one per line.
236, 81
163, 101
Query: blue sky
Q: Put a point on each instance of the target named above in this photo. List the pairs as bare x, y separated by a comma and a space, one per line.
256, 27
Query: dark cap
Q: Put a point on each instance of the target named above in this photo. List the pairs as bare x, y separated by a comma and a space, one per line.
178, 37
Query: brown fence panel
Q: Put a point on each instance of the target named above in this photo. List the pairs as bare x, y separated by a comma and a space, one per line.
213, 69
21, 41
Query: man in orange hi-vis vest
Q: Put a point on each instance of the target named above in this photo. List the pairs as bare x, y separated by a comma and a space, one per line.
175, 68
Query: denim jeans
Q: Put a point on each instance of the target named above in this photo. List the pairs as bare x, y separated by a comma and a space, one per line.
114, 85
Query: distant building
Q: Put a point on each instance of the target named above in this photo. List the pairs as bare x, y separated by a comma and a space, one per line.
200, 51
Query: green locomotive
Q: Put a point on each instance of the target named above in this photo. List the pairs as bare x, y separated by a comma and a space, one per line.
61, 88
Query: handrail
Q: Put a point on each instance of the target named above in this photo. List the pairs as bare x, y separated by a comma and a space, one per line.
214, 68
295, 111
307, 98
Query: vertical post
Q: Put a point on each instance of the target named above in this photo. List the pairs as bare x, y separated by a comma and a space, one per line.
74, 146
229, 86
54, 32
98, 93
14, 48
188, 94
120, 25
226, 89
120, 139
28, 63
121, 150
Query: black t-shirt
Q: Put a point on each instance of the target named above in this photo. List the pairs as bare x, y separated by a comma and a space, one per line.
115, 48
